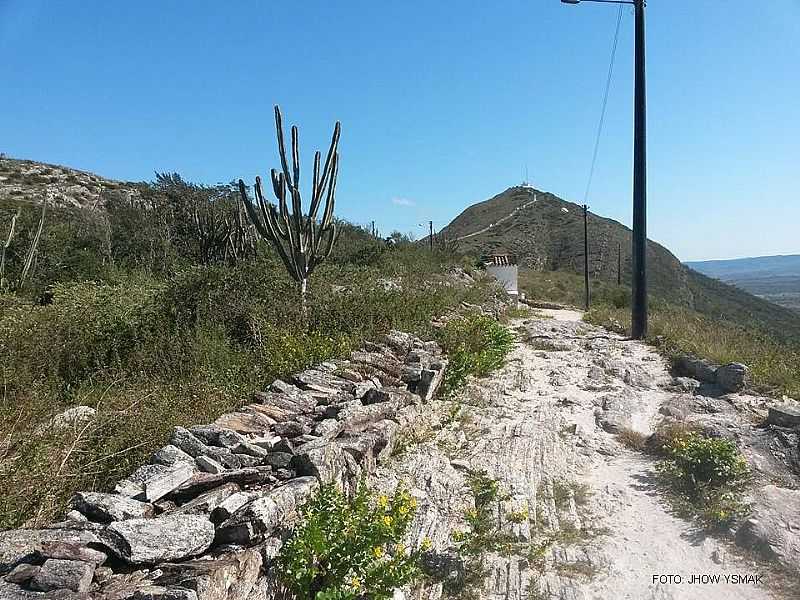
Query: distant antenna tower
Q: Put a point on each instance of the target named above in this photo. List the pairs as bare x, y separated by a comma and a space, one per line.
525, 182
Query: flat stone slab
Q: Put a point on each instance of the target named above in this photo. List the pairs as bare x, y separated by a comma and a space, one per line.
105, 508
784, 415
150, 541
18, 544
58, 574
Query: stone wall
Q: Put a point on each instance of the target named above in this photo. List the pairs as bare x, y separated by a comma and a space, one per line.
204, 519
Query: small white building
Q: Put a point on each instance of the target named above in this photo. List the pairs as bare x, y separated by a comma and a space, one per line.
504, 268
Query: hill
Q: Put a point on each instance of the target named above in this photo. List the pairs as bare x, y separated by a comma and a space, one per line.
546, 233
28, 181
774, 278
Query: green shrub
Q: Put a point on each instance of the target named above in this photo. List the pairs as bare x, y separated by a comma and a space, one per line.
476, 345
704, 461
706, 475
348, 550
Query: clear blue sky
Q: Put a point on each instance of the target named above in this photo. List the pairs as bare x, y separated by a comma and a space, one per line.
442, 103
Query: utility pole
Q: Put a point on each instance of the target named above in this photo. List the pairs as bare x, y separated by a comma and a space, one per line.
639, 237
430, 225
639, 304
373, 229
586, 255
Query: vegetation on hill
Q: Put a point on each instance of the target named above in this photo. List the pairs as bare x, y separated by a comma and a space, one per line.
547, 235
126, 314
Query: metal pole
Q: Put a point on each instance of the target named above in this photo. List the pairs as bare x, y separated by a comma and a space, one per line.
586, 254
430, 224
639, 245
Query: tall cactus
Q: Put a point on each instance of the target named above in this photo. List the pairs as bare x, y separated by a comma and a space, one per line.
301, 240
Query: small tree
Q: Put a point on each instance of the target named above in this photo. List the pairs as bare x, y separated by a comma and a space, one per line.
301, 240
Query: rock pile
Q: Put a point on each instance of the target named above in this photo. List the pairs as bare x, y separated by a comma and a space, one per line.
204, 519
731, 377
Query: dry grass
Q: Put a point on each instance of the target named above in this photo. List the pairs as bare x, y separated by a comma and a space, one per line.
774, 366
630, 438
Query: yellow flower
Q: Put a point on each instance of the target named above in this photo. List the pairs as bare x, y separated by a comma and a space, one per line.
355, 583
412, 502
426, 543
403, 510
377, 551
400, 548
383, 501
387, 520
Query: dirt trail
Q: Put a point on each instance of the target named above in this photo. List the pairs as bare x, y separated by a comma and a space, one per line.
589, 521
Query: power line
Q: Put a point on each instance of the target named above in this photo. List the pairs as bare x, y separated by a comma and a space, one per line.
605, 102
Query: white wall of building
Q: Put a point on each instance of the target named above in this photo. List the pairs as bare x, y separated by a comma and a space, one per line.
506, 275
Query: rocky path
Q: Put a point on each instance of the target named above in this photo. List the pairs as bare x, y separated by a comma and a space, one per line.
584, 513
501, 220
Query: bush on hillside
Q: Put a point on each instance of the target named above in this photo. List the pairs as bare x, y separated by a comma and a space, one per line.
476, 345
346, 550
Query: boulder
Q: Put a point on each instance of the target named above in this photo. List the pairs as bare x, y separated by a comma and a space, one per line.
358, 417
154, 481
256, 520
209, 465
22, 574
169, 455
18, 545
205, 503
202, 482
774, 526
696, 368
429, 383
784, 415
225, 509
72, 551
58, 574
110, 507
194, 446
162, 484
168, 538
291, 429
732, 377
158, 592
70, 418
246, 422
214, 435
230, 576
685, 384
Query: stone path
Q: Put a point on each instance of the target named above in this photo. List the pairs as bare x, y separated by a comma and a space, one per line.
584, 510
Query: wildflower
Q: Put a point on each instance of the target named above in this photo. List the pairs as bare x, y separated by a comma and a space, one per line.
355, 583
377, 551
400, 548
383, 501
387, 520
412, 502
426, 543
403, 510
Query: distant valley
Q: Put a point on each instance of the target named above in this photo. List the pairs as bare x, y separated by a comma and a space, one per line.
774, 278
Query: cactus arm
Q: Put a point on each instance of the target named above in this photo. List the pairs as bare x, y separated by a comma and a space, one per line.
330, 200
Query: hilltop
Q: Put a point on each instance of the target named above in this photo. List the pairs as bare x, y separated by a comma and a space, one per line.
546, 232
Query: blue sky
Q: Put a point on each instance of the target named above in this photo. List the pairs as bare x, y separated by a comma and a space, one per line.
442, 104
